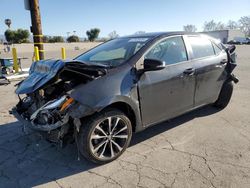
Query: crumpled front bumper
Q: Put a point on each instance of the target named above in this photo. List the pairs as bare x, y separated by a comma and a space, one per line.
37, 127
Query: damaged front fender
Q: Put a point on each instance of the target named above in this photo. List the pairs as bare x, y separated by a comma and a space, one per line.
79, 110
119, 86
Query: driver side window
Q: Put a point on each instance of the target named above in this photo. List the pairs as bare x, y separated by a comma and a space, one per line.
171, 50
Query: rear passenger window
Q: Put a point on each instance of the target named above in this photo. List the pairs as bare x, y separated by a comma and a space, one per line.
201, 47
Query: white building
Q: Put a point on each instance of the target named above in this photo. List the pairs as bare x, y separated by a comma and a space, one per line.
225, 35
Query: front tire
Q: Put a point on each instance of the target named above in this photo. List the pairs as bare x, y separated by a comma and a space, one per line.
105, 136
225, 95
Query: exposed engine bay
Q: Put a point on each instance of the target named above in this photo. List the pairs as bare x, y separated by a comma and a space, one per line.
44, 100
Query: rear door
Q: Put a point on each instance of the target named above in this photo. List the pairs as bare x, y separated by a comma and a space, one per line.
169, 92
209, 63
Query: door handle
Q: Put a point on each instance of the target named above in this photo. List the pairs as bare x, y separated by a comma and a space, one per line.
189, 71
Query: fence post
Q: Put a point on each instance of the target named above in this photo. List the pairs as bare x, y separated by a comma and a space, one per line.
63, 53
37, 58
15, 64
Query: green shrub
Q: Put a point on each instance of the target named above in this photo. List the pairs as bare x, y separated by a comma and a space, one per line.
53, 39
17, 36
73, 38
93, 34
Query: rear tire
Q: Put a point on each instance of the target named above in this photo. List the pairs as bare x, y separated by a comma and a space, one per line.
225, 95
104, 136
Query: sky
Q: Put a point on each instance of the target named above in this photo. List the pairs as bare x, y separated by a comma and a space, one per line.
123, 16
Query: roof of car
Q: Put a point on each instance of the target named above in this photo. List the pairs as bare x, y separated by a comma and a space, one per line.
158, 34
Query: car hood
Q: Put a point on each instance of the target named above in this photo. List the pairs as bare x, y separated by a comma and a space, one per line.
43, 72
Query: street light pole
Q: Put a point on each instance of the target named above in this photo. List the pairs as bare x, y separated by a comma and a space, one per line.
36, 27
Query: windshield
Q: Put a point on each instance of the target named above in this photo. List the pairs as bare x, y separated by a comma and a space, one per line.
114, 52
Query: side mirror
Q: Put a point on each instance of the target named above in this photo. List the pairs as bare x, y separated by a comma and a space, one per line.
153, 64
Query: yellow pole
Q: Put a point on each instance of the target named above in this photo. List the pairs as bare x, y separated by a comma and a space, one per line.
37, 58
63, 53
15, 65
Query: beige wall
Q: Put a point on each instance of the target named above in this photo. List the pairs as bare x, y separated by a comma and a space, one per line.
225, 35
232, 34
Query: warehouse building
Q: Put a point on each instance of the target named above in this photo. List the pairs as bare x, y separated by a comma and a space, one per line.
225, 35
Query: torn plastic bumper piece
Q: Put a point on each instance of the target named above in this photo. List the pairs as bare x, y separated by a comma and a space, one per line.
234, 78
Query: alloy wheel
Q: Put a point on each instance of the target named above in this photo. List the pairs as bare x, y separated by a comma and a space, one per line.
108, 138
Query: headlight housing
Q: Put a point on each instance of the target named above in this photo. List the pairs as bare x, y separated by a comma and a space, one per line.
52, 111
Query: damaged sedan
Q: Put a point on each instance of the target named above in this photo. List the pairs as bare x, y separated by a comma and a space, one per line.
123, 86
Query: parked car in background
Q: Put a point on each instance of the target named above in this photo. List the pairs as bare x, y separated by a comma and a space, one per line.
123, 86
247, 40
234, 42
239, 40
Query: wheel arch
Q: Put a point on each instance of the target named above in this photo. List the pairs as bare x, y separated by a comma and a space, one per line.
127, 110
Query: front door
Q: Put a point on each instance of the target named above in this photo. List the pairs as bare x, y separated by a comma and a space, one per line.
168, 92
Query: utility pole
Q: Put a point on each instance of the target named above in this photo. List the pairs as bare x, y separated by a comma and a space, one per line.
36, 27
